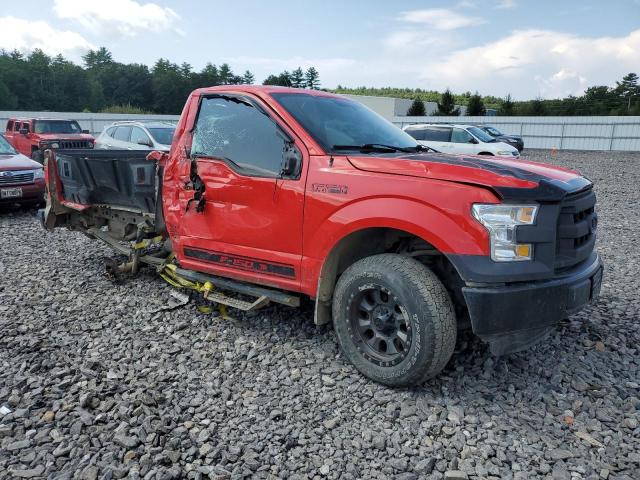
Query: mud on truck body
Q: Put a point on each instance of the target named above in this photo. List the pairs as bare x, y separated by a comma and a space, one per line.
278, 194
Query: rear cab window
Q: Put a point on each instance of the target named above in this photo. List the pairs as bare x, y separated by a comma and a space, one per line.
9, 126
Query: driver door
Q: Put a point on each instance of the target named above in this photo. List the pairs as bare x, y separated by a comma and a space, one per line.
248, 221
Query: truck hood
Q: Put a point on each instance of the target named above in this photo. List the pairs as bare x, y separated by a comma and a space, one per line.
509, 178
17, 162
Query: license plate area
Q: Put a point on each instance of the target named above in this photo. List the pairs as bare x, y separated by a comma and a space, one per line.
10, 193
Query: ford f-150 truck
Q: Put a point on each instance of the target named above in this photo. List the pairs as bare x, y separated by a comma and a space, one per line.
32, 136
281, 194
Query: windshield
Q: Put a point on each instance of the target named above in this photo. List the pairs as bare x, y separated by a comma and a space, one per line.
5, 147
480, 134
163, 135
337, 121
56, 126
493, 131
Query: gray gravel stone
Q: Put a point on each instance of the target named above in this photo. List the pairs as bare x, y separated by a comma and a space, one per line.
99, 387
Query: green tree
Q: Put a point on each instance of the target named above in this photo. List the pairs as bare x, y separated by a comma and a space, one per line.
298, 78
225, 74
628, 89
170, 87
97, 58
476, 107
417, 108
537, 107
248, 78
208, 77
282, 80
312, 78
447, 105
8, 101
507, 107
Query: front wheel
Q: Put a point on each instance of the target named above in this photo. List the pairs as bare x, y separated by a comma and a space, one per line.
394, 319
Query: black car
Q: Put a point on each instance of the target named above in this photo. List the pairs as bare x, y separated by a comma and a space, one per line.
512, 140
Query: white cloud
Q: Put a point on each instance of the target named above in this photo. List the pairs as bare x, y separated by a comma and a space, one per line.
531, 62
440, 19
126, 17
27, 35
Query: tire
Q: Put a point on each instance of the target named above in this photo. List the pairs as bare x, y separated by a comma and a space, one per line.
386, 303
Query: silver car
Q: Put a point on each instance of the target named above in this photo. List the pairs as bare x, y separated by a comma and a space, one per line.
131, 135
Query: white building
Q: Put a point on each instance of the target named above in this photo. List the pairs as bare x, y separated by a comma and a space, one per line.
390, 107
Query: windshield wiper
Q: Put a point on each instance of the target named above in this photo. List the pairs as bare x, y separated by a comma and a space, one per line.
424, 148
374, 147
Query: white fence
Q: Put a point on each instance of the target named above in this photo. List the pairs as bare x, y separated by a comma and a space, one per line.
94, 122
562, 133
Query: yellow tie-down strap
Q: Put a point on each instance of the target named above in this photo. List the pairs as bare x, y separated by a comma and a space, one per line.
147, 242
168, 273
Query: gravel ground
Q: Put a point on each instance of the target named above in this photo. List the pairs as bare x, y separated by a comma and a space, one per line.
98, 385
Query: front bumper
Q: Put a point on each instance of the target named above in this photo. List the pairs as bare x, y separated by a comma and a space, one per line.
513, 317
31, 193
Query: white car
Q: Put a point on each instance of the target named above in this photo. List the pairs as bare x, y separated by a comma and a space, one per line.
128, 135
459, 139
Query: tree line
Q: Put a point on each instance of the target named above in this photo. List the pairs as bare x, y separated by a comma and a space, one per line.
623, 99
40, 82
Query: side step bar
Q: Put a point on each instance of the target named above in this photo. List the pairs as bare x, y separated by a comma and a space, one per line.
244, 288
263, 295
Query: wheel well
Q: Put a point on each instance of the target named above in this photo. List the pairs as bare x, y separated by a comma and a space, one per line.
486, 153
373, 241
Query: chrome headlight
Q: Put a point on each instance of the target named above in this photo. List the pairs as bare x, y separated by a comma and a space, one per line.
38, 173
501, 221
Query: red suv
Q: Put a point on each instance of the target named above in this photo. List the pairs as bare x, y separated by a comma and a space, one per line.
32, 137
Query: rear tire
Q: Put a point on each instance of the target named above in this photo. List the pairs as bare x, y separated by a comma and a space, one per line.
394, 320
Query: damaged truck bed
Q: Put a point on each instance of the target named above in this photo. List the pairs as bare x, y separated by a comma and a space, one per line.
113, 196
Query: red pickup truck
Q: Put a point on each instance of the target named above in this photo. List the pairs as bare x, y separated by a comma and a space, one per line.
279, 194
31, 137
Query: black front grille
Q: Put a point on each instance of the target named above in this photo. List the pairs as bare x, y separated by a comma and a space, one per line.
577, 224
16, 177
65, 144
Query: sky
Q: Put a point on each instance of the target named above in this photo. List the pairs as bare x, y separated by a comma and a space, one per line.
529, 49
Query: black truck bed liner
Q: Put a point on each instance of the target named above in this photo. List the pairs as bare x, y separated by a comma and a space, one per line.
117, 178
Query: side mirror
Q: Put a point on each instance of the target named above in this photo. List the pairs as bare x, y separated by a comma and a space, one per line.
146, 143
291, 161
86, 131
473, 140
24, 131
